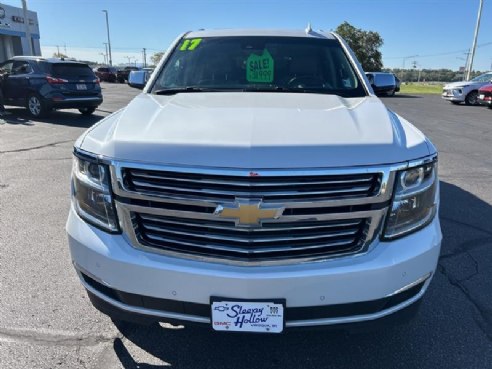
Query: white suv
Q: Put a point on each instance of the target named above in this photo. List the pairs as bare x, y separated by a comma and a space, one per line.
466, 91
256, 184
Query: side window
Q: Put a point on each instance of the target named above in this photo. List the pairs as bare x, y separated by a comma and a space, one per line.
6, 67
21, 67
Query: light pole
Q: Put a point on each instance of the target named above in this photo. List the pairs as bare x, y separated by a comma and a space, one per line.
475, 36
109, 42
28, 31
104, 57
106, 46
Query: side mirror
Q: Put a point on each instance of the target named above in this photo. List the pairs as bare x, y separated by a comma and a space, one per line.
137, 79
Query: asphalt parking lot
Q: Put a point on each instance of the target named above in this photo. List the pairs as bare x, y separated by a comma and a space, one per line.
46, 320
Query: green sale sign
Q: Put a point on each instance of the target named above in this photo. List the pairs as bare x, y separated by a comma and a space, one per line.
260, 68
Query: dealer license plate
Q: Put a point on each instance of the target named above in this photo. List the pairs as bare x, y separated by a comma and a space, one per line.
236, 316
81, 86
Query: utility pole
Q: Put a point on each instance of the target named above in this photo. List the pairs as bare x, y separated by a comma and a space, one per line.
58, 50
475, 36
26, 23
414, 65
65, 48
106, 46
109, 41
144, 57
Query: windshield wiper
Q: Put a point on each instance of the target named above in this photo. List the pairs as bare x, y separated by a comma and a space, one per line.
178, 90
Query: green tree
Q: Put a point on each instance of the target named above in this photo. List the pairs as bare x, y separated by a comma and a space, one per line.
365, 45
156, 58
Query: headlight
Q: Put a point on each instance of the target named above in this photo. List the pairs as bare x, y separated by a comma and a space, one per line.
91, 194
415, 200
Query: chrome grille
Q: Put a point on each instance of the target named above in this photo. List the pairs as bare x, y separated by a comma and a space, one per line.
270, 188
272, 241
326, 213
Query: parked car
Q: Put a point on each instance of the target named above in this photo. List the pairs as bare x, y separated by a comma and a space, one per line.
485, 95
137, 75
256, 184
398, 83
383, 83
42, 85
107, 74
122, 74
466, 91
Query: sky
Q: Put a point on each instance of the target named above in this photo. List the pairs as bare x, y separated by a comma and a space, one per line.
438, 31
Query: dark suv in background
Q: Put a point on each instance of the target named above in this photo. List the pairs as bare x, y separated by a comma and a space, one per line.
106, 74
42, 85
122, 74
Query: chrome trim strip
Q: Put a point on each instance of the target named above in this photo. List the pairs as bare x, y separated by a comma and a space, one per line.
248, 251
410, 285
357, 318
246, 241
354, 190
282, 219
71, 99
227, 225
246, 184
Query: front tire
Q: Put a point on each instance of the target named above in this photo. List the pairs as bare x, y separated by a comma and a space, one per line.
36, 106
472, 98
87, 111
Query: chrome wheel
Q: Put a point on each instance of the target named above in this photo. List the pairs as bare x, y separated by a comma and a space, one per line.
34, 106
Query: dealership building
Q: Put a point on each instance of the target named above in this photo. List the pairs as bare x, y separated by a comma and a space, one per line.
13, 38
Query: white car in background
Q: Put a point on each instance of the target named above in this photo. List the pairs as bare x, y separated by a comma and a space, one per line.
466, 91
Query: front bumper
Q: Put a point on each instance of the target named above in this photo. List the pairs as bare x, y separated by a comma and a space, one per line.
457, 95
389, 269
74, 102
485, 102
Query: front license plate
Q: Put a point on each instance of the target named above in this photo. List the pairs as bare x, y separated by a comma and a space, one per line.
481, 97
81, 86
239, 316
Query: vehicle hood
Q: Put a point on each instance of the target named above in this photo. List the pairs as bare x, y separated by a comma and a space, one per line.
463, 84
256, 130
486, 88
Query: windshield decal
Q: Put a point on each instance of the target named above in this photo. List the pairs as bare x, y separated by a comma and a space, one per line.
190, 45
260, 68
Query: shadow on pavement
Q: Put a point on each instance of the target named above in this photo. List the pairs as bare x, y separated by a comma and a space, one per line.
61, 117
428, 341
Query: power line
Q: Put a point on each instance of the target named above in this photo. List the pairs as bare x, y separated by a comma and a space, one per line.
441, 54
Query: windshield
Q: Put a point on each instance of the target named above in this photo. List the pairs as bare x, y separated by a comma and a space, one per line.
260, 64
487, 77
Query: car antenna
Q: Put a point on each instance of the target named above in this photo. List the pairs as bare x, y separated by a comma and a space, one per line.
308, 28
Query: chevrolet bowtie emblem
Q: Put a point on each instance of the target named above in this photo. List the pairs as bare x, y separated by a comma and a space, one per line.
249, 212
